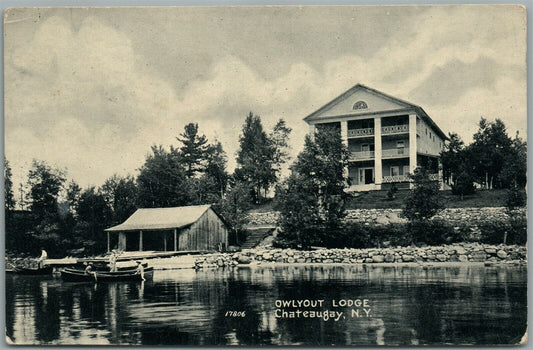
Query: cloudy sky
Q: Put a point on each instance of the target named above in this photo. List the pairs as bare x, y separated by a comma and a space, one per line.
90, 90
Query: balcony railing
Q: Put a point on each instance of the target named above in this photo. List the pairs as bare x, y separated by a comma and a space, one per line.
362, 155
405, 178
361, 132
395, 129
385, 130
395, 153
395, 178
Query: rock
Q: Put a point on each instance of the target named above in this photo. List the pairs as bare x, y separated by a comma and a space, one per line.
463, 258
267, 256
289, 253
389, 258
478, 256
301, 260
460, 250
243, 259
454, 258
407, 258
491, 251
220, 262
378, 258
501, 254
327, 261
290, 260
442, 257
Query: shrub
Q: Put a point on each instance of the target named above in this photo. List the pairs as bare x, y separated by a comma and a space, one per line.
511, 231
391, 193
517, 230
433, 232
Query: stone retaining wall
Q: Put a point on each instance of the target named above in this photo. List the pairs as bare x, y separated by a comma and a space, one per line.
462, 252
468, 216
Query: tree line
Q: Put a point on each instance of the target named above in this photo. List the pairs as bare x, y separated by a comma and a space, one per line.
492, 161
65, 219
312, 200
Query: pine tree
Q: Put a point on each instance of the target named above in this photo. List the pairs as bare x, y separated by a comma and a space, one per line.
193, 151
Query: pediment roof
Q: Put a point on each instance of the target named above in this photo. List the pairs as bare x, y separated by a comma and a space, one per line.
361, 100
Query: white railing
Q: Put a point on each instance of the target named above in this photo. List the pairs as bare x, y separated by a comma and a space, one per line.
395, 129
405, 178
395, 178
361, 132
395, 152
362, 155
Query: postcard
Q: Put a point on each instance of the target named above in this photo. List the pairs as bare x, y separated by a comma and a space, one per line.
266, 175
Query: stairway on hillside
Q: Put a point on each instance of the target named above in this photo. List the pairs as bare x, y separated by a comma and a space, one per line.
256, 235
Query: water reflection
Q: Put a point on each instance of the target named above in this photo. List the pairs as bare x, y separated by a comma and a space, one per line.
408, 306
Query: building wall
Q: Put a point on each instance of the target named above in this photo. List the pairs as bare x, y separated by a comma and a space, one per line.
391, 143
428, 142
353, 170
400, 163
205, 234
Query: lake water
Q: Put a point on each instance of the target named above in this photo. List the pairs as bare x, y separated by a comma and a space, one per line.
405, 305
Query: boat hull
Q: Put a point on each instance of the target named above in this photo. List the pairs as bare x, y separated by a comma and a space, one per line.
31, 272
73, 275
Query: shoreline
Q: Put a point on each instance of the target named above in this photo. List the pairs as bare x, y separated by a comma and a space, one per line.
461, 254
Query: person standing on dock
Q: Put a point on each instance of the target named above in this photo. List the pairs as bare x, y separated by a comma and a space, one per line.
42, 258
113, 262
140, 270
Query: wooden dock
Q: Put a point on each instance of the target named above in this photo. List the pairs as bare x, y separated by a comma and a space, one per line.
124, 257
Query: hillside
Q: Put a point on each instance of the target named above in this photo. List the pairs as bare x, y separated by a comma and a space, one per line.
379, 200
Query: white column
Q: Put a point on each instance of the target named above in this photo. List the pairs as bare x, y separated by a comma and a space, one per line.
412, 143
122, 241
175, 239
344, 136
441, 178
140, 241
378, 166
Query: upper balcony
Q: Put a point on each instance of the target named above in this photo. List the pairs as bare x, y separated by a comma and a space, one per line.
385, 130
362, 132
362, 155
395, 129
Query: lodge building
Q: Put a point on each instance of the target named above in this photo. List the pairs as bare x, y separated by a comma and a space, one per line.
387, 138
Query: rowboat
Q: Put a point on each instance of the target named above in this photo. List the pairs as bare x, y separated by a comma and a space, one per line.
75, 275
47, 270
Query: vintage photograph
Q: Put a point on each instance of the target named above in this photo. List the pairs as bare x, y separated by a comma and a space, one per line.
266, 175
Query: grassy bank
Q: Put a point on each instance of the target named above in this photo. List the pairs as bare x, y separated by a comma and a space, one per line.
379, 200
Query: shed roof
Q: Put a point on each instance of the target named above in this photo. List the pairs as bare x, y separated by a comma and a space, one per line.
161, 218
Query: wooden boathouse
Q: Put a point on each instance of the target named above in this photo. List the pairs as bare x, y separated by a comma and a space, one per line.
190, 228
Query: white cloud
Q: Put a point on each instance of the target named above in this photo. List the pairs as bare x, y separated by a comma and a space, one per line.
81, 100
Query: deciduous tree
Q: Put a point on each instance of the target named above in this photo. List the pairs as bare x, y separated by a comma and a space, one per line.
161, 181
311, 201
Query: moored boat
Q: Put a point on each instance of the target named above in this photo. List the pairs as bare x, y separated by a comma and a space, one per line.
47, 270
75, 275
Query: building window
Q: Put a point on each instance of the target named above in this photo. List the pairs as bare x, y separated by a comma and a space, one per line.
400, 146
406, 169
360, 105
394, 171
